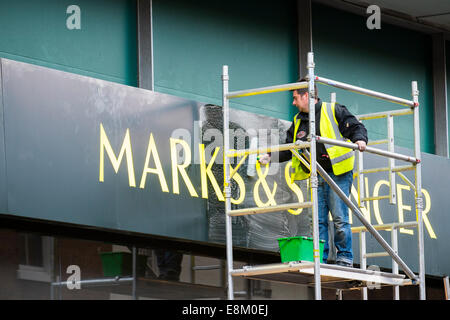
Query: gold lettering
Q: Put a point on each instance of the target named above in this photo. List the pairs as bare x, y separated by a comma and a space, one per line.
425, 212
262, 180
207, 173
151, 149
402, 207
364, 210
294, 187
181, 167
241, 185
376, 208
125, 149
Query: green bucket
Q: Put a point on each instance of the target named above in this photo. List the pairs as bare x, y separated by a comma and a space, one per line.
121, 263
298, 249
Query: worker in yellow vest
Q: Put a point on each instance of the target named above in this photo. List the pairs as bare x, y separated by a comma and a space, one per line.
336, 122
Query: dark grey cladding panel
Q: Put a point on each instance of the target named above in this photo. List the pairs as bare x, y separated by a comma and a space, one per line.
51, 137
52, 124
436, 186
3, 182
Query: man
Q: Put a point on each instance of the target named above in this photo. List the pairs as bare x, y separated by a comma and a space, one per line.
336, 122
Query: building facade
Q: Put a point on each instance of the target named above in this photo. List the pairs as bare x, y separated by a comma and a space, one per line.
176, 49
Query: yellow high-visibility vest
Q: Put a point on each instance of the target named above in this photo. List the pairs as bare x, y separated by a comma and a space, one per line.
342, 159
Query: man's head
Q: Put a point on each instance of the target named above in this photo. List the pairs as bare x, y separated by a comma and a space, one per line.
301, 97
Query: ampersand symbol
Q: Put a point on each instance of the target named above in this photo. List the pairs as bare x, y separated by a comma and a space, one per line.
262, 180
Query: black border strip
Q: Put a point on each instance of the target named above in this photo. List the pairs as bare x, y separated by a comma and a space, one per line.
142, 240
128, 238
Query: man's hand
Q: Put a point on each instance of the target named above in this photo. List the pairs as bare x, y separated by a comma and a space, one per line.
264, 158
361, 145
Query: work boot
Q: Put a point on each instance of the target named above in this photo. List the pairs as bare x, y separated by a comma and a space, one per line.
344, 264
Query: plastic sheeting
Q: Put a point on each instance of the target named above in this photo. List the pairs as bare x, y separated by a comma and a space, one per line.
258, 231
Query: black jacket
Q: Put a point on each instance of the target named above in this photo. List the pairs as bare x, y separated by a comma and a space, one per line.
349, 127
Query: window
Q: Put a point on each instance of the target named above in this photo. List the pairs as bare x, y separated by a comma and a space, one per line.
36, 258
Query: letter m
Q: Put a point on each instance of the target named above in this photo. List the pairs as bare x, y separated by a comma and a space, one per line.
125, 149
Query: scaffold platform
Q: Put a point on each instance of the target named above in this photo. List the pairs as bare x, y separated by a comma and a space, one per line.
332, 276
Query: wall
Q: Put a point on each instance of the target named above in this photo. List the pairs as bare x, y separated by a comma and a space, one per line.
58, 167
66, 252
257, 40
447, 52
384, 60
105, 46
193, 41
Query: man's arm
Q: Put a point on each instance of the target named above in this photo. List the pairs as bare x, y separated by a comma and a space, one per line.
286, 155
350, 127
281, 156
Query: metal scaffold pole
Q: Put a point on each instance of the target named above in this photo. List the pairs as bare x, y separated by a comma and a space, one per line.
313, 179
315, 269
364, 221
419, 200
227, 189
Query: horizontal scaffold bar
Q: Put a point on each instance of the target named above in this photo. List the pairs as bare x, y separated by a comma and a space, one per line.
272, 89
367, 92
211, 267
387, 226
380, 152
373, 142
281, 207
376, 255
376, 198
395, 169
282, 147
106, 281
379, 115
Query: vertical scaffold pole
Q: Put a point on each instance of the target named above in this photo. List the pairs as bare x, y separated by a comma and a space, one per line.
134, 283
360, 179
394, 244
333, 97
418, 196
446, 288
391, 161
313, 178
363, 259
227, 189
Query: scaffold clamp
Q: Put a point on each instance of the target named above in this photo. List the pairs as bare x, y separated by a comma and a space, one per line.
227, 192
419, 203
314, 181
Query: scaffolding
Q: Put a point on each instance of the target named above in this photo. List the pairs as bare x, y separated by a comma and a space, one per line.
332, 276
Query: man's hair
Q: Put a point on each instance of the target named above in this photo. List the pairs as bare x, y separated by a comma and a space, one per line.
304, 90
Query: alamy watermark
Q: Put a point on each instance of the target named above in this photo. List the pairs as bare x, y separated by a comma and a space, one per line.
374, 20
213, 139
374, 284
74, 280
73, 22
